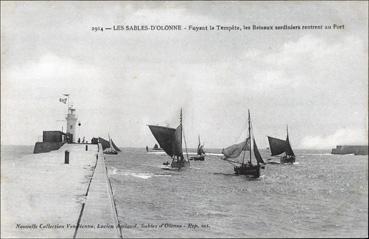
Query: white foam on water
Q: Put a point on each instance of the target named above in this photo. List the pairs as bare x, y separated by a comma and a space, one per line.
162, 175
113, 170
214, 154
137, 175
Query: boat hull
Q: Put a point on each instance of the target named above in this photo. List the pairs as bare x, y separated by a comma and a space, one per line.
248, 170
113, 153
288, 159
198, 158
175, 165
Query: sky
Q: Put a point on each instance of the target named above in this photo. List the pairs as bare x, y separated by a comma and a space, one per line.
314, 81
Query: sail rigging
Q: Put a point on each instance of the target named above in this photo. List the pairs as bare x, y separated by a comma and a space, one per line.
289, 150
169, 139
235, 150
110, 149
115, 146
257, 154
200, 148
107, 144
277, 146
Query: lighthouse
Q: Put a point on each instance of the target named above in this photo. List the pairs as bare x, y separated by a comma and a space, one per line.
71, 124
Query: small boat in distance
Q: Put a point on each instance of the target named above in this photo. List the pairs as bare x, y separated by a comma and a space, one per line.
200, 152
279, 146
154, 149
111, 149
170, 140
106, 143
234, 151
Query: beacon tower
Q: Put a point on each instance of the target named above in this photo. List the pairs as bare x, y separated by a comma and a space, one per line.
71, 123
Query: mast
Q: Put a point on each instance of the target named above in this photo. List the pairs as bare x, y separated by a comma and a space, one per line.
287, 139
180, 119
110, 146
244, 153
180, 122
249, 134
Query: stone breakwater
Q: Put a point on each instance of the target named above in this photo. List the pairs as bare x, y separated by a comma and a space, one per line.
42, 197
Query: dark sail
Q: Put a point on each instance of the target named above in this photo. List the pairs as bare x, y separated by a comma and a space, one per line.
289, 150
114, 146
235, 150
177, 143
257, 153
168, 139
277, 146
200, 150
104, 143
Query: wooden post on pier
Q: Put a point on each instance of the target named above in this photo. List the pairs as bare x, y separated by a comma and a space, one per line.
66, 157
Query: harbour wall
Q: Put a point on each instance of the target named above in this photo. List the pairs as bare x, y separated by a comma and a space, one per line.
99, 209
351, 149
45, 197
44, 147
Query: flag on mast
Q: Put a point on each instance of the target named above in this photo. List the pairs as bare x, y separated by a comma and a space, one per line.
64, 100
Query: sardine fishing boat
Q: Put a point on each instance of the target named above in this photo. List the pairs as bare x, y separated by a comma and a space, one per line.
111, 149
155, 148
200, 152
170, 140
234, 151
106, 143
280, 146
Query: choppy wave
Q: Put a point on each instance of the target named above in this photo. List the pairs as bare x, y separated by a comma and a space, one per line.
142, 175
291, 200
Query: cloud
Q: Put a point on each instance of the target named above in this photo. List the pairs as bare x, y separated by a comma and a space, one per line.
310, 63
50, 71
121, 81
340, 137
30, 93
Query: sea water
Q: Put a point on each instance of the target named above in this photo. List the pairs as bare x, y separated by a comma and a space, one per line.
321, 195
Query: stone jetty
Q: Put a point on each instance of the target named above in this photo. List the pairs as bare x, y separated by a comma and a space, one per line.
43, 197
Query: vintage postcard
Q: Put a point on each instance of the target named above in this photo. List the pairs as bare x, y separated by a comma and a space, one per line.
203, 119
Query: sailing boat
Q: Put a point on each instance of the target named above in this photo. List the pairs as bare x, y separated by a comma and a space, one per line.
170, 140
279, 146
156, 147
111, 149
200, 152
234, 151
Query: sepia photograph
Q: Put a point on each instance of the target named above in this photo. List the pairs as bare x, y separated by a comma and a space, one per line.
184, 119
